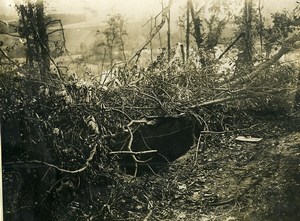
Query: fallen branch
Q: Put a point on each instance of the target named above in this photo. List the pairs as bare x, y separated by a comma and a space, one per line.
87, 163
289, 45
8, 58
136, 161
231, 45
148, 216
133, 152
151, 97
9, 34
129, 148
219, 203
219, 101
197, 149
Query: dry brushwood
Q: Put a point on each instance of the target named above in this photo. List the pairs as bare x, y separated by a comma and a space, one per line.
129, 146
245, 83
81, 169
289, 45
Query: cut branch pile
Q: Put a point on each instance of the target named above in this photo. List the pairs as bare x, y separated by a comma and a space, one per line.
66, 125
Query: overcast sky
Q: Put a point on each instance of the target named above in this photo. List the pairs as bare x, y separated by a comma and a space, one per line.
132, 9
92, 8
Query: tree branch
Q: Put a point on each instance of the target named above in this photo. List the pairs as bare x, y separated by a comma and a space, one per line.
133, 152
289, 45
8, 34
87, 163
155, 31
8, 58
231, 45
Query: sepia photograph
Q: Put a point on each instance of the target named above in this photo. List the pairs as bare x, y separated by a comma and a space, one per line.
149, 110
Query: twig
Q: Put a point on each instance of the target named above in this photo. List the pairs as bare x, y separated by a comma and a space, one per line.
9, 24
119, 111
129, 148
153, 98
62, 32
8, 58
218, 101
197, 149
8, 34
155, 31
151, 19
148, 216
289, 44
231, 45
133, 152
223, 202
87, 163
54, 31
136, 121
47, 51
136, 161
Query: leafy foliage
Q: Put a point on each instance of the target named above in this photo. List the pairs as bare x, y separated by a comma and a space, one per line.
283, 24
110, 44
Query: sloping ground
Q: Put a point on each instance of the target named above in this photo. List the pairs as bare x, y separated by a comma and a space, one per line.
235, 180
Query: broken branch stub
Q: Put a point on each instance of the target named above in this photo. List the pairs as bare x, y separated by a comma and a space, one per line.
153, 144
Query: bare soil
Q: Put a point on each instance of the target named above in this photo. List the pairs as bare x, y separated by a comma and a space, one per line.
233, 180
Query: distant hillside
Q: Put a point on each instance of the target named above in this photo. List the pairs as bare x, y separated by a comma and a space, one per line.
5, 17
69, 18
83, 35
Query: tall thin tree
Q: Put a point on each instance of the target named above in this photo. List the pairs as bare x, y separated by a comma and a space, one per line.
169, 35
248, 41
187, 29
261, 25
197, 24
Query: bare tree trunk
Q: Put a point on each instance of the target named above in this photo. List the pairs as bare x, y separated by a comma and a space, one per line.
160, 41
151, 47
29, 49
261, 25
248, 30
155, 31
111, 57
197, 24
244, 58
123, 48
122, 41
182, 53
187, 30
103, 60
169, 35
34, 30
43, 39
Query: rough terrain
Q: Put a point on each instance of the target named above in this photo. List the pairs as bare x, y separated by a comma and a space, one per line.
233, 180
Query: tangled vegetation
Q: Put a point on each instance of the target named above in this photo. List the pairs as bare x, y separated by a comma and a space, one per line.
60, 133
61, 130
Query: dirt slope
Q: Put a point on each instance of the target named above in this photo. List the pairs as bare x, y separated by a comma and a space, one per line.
235, 180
